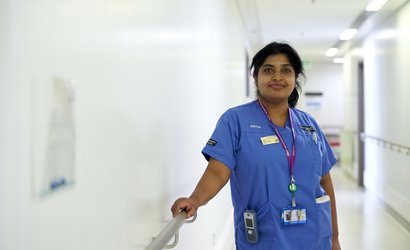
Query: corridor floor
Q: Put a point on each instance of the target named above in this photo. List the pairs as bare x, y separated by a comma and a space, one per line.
364, 223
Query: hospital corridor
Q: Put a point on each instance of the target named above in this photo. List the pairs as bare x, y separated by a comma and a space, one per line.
111, 109
365, 222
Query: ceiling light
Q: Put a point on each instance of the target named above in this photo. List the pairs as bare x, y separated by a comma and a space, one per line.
375, 5
331, 52
338, 60
348, 34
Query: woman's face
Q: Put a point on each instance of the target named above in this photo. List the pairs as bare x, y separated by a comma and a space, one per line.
276, 78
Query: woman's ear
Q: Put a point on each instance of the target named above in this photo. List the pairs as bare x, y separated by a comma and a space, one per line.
255, 77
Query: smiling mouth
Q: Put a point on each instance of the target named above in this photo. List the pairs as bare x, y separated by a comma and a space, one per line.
277, 85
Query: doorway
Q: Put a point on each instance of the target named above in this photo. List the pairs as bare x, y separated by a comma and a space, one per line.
361, 124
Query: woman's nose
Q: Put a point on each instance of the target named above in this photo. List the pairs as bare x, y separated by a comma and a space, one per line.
277, 76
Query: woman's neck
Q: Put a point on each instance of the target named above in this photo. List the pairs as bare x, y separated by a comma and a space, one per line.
278, 112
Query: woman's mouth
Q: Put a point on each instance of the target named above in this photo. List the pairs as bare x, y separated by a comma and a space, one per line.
277, 85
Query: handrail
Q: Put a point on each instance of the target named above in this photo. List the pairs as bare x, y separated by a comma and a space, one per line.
399, 148
160, 242
349, 131
392, 145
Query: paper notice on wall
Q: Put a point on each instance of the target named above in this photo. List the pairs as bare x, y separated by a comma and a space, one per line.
54, 136
314, 104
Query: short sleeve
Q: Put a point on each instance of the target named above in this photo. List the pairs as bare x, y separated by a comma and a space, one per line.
328, 158
223, 142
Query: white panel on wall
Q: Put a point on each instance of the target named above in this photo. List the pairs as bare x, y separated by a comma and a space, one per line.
53, 135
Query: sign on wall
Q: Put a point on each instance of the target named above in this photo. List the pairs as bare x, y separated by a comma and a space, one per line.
313, 104
53, 144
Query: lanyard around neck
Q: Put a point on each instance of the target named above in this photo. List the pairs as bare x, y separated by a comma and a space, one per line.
291, 156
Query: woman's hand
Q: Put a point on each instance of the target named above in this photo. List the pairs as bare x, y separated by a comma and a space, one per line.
214, 178
336, 243
190, 205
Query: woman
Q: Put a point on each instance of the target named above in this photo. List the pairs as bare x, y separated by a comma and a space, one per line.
277, 160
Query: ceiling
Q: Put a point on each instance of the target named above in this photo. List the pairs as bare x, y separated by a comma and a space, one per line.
311, 26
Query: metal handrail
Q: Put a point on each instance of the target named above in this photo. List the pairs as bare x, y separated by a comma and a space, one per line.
387, 144
171, 229
399, 148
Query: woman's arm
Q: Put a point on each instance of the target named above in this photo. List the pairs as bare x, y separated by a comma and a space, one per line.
327, 184
212, 181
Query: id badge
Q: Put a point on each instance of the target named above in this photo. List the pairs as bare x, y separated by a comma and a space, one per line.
293, 215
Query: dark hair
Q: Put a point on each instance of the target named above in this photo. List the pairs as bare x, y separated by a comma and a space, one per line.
294, 58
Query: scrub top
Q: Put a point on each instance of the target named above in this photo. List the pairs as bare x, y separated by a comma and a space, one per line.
260, 176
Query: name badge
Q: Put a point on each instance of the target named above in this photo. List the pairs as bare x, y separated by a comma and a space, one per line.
272, 139
293, 215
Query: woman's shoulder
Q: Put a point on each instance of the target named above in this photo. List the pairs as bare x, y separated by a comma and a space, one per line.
302, 113
241, 109
244, 106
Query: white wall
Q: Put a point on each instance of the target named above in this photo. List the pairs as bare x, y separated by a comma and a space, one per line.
8, 156
386, 101
327, 78
152, 78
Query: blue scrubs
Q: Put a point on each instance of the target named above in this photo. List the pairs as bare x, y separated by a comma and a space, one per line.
260, 177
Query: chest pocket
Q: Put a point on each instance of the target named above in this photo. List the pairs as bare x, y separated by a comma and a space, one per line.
309, 154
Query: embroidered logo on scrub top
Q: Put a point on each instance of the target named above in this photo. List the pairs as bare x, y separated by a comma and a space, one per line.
311, 131
211, 142
267, 140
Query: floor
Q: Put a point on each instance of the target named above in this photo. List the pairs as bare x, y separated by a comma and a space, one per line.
364, 222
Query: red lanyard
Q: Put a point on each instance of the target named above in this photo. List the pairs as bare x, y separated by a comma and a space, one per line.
291, 157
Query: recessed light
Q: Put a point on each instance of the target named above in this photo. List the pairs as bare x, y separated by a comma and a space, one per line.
375, 5
348, 34
338, 60
331, 52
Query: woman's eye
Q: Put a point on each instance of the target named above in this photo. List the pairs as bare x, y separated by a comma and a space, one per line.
286, 70
267, 70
